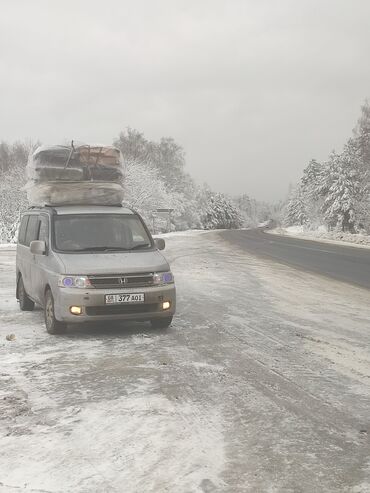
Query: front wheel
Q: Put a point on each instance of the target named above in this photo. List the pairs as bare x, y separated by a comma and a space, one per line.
53, 326
161, 323
25, 303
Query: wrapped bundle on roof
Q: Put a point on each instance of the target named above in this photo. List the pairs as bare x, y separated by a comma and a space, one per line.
70, 163
84, 174
74, 193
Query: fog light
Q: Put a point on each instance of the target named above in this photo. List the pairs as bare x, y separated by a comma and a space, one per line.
166, 305
76, 310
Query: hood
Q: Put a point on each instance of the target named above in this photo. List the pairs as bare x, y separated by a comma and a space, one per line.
113, 263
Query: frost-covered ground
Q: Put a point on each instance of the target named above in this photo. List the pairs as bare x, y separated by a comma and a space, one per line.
321, 234
261, 384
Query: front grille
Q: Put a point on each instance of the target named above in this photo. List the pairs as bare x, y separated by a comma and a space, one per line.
121, 309
116, 281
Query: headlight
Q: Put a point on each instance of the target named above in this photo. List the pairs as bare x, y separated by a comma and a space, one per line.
74, 282
163, 278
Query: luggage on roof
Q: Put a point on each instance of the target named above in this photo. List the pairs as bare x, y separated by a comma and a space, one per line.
83, 174
84, 162
74, 193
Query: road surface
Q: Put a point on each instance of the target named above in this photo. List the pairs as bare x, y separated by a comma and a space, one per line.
262, 384
344, 263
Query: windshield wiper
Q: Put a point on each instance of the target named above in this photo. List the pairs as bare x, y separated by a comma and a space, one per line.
102, 249
110, 248
140, 245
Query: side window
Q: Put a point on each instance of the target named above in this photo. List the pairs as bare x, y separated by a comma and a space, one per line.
138, 233
22, 230
31, 233
44, 230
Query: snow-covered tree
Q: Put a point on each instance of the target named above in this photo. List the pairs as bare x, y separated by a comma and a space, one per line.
360, 144
362, 134
312, 179
312, 192
221, 213
134, 146
337, 192
13, 159
186, 212
296, 209
13, 202
247, 208
254, 211
163, 162
166, 156
342, 204
144, 190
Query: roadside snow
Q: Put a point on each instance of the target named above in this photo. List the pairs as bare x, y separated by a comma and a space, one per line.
188, 232
260, 384
8, 246
324, 236
103, 446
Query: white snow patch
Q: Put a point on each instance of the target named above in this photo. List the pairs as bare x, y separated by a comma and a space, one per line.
188, 232
363, 487
146, 443
8, 246
264, 224
321, 234
200, 365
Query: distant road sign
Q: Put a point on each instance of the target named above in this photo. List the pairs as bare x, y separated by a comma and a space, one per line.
164, 214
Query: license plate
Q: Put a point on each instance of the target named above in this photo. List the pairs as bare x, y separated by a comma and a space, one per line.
111, 299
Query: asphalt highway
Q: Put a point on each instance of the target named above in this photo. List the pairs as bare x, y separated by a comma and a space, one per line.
343, 263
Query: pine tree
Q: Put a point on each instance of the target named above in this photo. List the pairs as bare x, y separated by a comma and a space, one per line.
221, 214
362, 134
361, 142
296, 210
311, 179
247, 208
311, 188
342, 205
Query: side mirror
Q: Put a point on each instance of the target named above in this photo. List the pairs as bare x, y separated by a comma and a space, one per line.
38, 247
160, 243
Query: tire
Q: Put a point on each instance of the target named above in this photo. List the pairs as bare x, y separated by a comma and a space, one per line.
25, 303
161, 323
53, 326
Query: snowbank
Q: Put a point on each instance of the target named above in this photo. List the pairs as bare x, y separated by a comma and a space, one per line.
187, 232
7, 246
321, 234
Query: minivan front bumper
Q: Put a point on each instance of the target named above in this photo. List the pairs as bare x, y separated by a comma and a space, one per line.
94, 308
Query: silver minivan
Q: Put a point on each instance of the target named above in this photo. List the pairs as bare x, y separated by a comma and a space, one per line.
91, 263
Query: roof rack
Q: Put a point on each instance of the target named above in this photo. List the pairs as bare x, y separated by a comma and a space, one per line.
41, 207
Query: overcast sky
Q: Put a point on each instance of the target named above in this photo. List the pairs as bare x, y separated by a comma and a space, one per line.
251, 89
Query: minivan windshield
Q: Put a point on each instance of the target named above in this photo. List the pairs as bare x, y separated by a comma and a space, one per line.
99, 232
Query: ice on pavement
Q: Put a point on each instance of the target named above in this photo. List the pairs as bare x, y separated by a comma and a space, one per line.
261, 384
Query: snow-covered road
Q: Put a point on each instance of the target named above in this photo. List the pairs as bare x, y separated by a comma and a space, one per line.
261, 384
